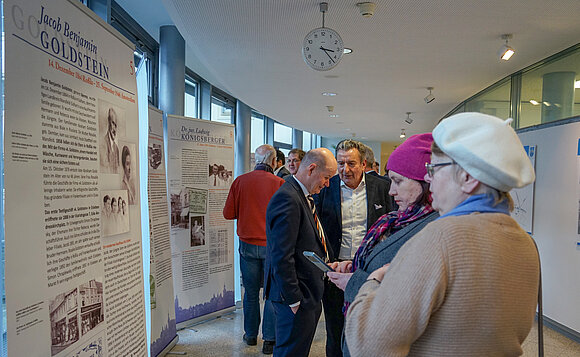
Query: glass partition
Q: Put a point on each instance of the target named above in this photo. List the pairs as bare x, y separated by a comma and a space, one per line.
493, 101
551, 91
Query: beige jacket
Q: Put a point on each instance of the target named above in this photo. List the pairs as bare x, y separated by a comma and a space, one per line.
463, 286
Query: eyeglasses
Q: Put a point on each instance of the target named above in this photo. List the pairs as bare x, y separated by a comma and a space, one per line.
431, 167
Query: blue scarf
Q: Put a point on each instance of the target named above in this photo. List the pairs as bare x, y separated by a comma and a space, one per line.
264, 167
483, 203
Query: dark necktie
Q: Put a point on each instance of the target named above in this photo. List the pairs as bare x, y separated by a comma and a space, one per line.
320, 231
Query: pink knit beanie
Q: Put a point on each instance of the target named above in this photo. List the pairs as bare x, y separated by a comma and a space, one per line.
410, 157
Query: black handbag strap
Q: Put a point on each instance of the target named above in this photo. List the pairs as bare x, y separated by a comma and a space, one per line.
540, 309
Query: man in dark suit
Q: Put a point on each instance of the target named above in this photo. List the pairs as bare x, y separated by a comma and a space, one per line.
292, 282
281, 170
347, 209
374, 171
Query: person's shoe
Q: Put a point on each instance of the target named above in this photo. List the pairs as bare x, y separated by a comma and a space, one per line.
268, 347
250, 341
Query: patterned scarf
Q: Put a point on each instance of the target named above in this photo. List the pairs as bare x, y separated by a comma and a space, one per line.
264, 167
386, 225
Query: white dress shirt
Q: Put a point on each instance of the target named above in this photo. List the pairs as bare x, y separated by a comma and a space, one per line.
353, 204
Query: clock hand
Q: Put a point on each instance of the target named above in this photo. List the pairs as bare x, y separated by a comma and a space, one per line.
325, 51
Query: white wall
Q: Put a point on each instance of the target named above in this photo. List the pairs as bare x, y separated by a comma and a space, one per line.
555, 222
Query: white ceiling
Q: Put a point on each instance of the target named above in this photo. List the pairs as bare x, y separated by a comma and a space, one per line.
252, 50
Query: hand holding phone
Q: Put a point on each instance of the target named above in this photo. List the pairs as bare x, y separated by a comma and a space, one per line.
316, 260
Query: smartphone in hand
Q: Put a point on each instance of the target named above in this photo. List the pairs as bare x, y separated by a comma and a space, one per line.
316, 260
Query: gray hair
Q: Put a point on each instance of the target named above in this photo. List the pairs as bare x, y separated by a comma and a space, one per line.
369, 156
348, 144
264, 154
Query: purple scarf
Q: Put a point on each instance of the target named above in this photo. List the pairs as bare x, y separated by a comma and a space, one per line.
386, 225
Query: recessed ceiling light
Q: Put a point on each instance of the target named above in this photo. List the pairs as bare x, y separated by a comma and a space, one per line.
577, 84
328, 94
534, 102
347, 51
334, 115
547, 104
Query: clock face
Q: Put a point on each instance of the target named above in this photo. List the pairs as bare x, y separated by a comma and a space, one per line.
322, 49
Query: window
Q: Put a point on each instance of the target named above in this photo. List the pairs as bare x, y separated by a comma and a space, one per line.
222, 107
257, 136
550, 92
190, 102
282, 134
146, 48
306, 141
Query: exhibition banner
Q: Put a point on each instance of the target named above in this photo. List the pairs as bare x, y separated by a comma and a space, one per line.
523, 198
163, 326
200, 169
74, 281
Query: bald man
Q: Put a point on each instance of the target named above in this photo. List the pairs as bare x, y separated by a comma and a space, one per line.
293, 284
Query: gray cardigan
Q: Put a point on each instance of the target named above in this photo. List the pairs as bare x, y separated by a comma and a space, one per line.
383, 253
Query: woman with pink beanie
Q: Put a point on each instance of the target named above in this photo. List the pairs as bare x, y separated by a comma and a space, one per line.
383, 240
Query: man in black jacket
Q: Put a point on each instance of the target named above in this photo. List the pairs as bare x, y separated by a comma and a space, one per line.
347, 209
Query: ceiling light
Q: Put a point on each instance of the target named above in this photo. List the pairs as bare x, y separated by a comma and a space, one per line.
403, 135
577, 84
505, 51
534, 102
334, 115
430, 97
329, 94
347, 51
367, 9
408, 120
546, 104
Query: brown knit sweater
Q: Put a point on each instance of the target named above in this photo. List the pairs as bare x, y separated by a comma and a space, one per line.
463, 286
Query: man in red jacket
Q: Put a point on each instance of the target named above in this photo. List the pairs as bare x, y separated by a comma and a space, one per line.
247, 202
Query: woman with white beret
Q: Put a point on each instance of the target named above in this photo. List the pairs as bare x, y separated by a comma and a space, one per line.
467, 284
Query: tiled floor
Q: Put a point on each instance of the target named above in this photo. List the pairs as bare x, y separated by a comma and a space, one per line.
223, 337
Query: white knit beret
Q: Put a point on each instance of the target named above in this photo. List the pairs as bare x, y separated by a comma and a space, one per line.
487, 148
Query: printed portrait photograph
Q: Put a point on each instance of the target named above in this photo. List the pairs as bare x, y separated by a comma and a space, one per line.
111, 128
197, 231
114, 212
129, 170
219, 175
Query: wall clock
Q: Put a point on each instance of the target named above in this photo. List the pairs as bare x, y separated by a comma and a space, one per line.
322, 49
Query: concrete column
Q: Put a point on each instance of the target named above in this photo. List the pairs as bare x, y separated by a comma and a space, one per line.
171, 70
297, 138
557, 96
243, 130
